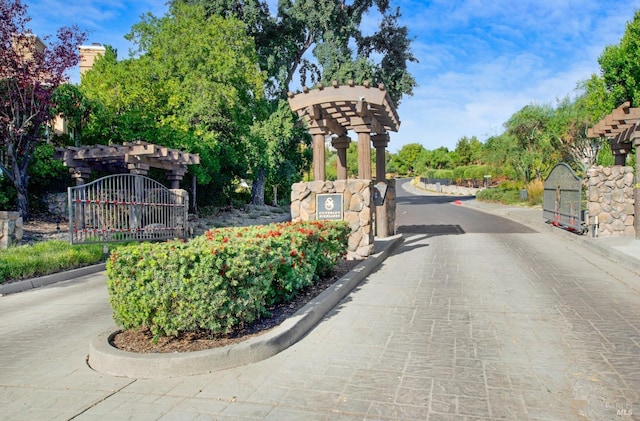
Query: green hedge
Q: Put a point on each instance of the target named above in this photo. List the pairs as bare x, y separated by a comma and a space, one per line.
221, 280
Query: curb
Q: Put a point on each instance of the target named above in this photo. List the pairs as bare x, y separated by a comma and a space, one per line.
107, 359
27, 284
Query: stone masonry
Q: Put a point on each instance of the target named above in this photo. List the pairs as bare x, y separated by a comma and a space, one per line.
610, 198
357, 207
10, 228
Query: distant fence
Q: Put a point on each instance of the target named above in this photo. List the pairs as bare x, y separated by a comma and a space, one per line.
441, 181
126, 207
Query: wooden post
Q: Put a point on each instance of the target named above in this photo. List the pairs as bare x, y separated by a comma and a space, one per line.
364, 154
318, 157
380, 142
341, 143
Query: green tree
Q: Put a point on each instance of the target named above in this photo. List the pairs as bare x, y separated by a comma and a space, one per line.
408, 158
468, 151
70, 104
620, 66
317, 40
568, 127
30, 71
440, 158
533, 153
276, 155
322, 41
194, 85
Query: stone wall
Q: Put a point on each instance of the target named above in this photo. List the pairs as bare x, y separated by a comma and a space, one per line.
451, 189
57, 204
357, 207
10, 228
610, 198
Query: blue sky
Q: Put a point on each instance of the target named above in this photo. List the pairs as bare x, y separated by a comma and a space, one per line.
480, 61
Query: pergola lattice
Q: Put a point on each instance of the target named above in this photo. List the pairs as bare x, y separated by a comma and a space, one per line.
621, 128
334, 110
135, 158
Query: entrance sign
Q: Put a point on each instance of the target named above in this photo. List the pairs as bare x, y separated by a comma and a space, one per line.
329, 207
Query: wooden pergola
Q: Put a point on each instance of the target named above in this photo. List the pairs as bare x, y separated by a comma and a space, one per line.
135, 158
622, 128
334, 110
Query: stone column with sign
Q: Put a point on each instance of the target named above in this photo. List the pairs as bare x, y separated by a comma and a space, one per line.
328, 199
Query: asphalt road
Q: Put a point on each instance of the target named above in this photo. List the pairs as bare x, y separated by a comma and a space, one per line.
439, 215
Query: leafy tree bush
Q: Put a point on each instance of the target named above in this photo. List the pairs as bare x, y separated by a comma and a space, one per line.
500, 195
535, 192
31, 71
221, 280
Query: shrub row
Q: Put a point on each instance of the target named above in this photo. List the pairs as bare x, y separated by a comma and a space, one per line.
221, 280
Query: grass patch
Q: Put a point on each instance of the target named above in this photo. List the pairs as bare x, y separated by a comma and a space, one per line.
47, 257
500, 195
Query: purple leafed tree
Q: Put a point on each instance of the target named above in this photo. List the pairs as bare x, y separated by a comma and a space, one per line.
31, 68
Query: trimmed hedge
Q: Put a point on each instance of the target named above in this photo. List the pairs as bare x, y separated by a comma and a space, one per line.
221, 280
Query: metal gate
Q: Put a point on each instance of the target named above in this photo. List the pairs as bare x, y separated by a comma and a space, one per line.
562, 201
125, 207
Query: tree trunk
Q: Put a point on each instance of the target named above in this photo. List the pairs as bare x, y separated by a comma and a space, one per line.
20, 184
275, 195
257, 190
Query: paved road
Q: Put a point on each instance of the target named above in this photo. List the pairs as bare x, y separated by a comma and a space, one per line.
463, 321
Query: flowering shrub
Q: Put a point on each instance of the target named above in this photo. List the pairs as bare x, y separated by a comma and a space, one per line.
222, 279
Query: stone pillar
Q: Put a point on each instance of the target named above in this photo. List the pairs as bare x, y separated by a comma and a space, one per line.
180, 220
610, 198
175, 177
364, 154
318, 157
357, 209
80, 175
10, 228
341, 144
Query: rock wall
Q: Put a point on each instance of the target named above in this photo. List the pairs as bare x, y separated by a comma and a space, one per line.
356, 204
10, 228
610, 198
57, 204
451, 189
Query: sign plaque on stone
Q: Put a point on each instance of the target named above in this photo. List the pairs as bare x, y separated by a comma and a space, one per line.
329, 207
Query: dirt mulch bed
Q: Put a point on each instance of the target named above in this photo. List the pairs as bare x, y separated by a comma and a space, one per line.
140, 340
